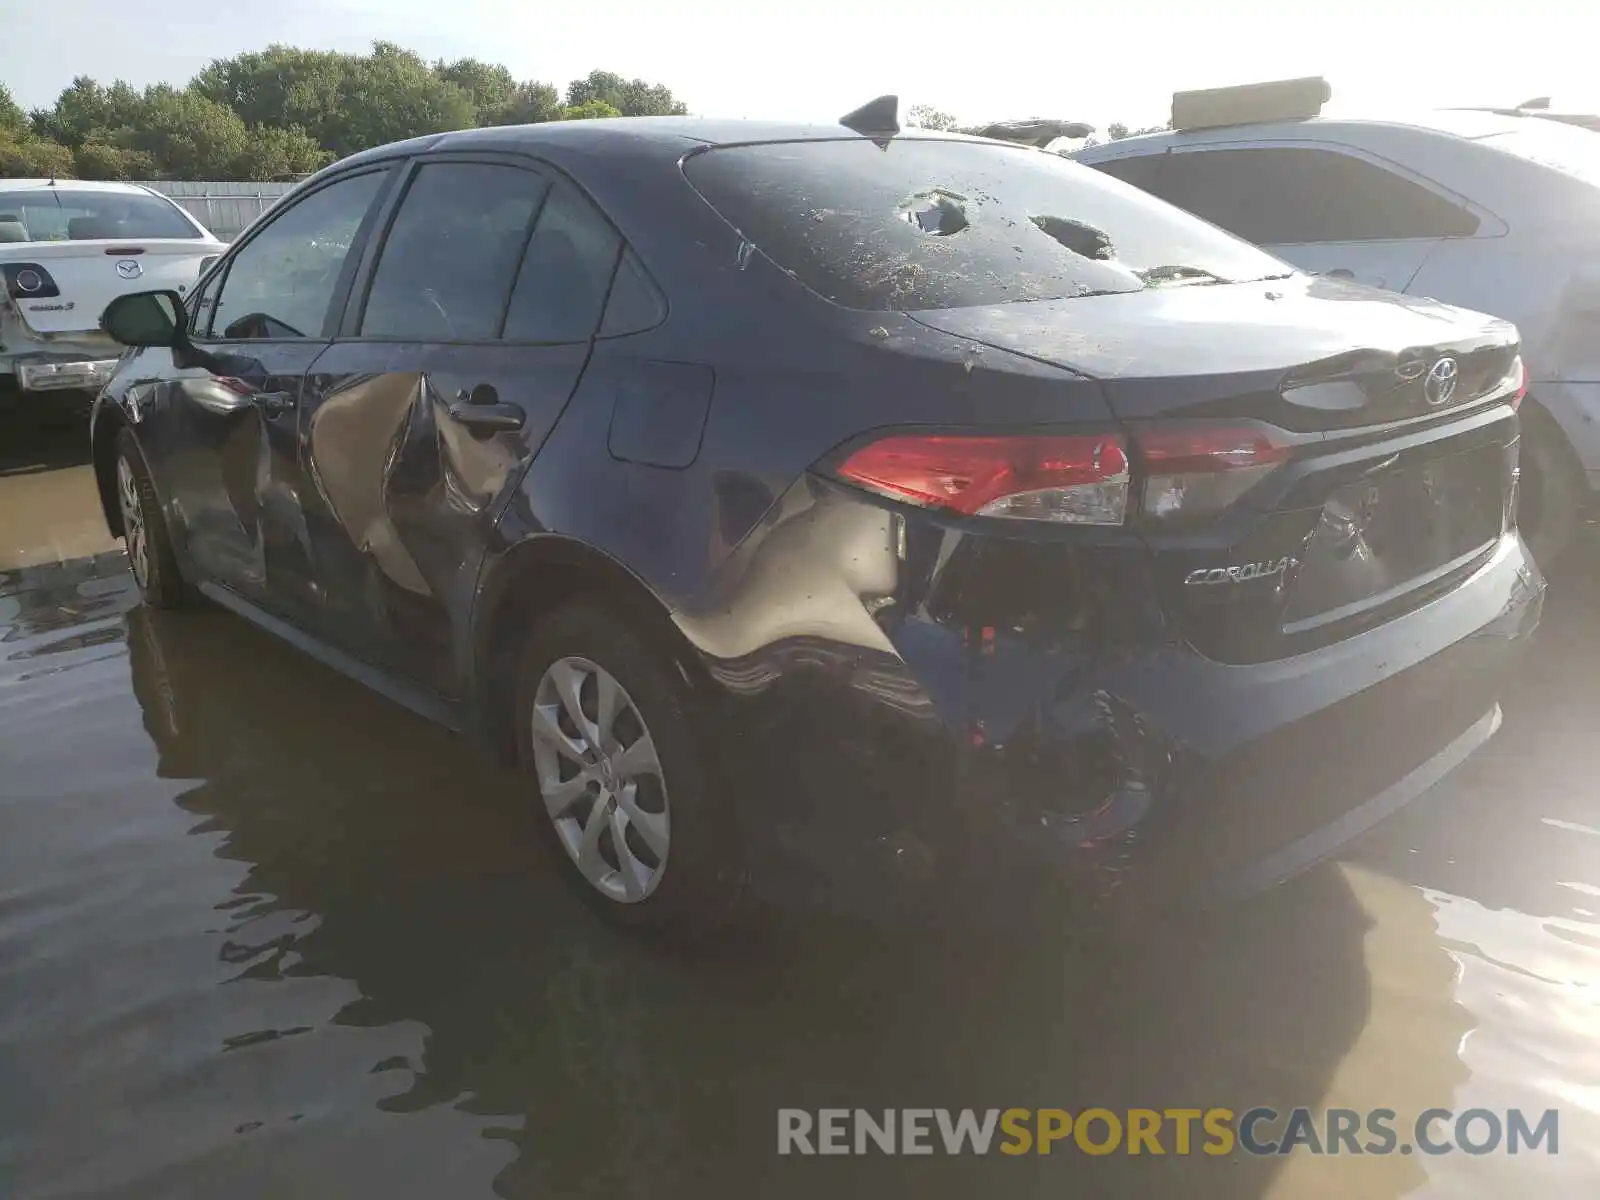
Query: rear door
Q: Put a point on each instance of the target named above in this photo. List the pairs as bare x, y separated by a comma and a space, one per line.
1328, 210
225, 435
456, 356
68, 253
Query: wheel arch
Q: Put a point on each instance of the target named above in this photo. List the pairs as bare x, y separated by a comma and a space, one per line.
108, 422
526, 584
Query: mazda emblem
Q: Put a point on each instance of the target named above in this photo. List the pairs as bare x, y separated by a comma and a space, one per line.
129, 268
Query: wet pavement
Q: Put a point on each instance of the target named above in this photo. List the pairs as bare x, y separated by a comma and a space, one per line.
264, 934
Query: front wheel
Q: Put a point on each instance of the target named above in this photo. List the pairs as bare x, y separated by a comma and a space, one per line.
608, 732
144, 530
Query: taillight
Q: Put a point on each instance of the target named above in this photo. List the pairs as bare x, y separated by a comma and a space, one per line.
1518, 377
1200, 468
1079, 479
28, 281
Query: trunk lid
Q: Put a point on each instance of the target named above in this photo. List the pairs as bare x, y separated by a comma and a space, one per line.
63, 287
1384, 477
1303, 353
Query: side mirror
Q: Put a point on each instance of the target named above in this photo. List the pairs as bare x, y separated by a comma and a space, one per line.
146, 319
205, 263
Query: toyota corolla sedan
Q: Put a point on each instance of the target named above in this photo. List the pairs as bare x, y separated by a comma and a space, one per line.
839, 511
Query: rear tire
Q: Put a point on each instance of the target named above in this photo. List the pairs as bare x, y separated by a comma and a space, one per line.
144, 529
634, 812
1553, 488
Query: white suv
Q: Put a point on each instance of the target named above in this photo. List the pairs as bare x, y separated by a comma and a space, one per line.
67, 248
1498, 212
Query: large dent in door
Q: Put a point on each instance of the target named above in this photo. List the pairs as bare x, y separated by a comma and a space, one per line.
352, 477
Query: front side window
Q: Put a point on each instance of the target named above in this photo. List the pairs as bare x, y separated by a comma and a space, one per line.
449, 259
925, 223
201, 304
1291, 195
65, 214
281, 282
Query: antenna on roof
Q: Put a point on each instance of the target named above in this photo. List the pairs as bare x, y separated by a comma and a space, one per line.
1541, 102
1278, 100
879, 117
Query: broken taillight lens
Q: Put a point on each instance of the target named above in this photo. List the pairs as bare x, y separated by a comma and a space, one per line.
1078, 479
1200, 468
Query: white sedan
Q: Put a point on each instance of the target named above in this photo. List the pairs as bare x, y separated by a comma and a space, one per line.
67, 248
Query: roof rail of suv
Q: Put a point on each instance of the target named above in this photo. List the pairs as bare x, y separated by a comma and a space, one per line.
1250, 103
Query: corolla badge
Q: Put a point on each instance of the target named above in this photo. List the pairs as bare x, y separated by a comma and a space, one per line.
1243, 573
1440, 385
129, 268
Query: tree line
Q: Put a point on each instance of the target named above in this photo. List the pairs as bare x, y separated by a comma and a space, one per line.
283, 112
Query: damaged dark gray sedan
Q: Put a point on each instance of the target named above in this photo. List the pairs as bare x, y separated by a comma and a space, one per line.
842, 512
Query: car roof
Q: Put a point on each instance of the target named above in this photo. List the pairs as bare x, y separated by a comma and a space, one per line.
1470, 124
73, 185
663, 138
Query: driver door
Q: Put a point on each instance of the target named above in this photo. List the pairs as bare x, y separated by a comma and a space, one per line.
262, 319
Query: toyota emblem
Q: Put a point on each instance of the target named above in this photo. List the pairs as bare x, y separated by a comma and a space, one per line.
1440, 385
129, 268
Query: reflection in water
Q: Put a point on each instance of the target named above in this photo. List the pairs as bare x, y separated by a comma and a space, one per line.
1509, 862
264, 934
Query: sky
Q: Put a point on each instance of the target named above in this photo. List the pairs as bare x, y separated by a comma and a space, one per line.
981, 61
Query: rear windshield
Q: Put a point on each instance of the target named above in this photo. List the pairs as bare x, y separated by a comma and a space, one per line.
1566, 148
65, 215
928, 223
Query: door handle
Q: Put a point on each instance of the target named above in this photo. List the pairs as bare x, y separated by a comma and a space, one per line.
482, 411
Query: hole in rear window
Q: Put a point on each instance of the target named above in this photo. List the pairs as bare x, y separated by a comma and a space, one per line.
928, 223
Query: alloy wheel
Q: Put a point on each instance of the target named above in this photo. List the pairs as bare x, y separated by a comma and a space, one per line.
601, 779
133, 530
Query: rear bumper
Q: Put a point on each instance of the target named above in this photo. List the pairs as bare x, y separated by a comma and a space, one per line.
1235, 778
49, 373
941, 745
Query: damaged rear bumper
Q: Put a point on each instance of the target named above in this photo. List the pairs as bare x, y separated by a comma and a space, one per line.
1005, 723
1230, 779
49, 373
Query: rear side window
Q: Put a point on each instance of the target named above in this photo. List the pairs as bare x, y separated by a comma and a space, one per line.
66, 215
1290, 195
451, 253
566, 273
1138, 169
928, 223
635, 304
